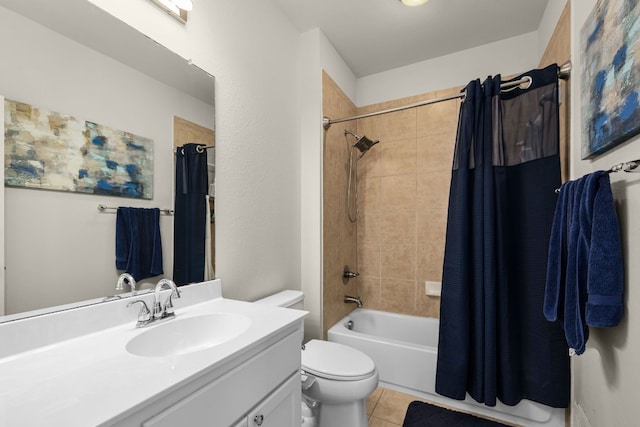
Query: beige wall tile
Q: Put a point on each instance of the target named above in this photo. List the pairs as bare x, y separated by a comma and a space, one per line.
437, 118
399, 125
369, 259
398, 262
433, 190
369, 227
369, 291
435, 152
431, 226
399, 157
339, 235
398, 227
398, 296
369, 193
430, 257
398, 192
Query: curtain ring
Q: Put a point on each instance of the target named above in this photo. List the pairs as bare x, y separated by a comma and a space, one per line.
199, 149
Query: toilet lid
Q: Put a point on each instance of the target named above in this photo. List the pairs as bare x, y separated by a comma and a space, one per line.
335, 361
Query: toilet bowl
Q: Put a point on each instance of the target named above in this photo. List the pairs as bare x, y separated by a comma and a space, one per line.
336, 379
339, 378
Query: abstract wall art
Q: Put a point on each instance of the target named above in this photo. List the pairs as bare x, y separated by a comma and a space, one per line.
610, 42
53, 151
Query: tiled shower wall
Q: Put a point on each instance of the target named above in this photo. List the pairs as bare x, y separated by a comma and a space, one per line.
404, 189
403, 182
339, 236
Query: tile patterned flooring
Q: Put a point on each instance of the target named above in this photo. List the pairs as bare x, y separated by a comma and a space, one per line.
387, 408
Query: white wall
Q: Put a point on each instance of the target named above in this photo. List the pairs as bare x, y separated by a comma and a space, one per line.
606, 376
510, 56
60, 249
251, 49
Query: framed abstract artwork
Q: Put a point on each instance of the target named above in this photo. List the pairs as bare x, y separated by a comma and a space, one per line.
610, 86
53, 151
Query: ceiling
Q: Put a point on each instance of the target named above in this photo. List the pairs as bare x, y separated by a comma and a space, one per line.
378, 35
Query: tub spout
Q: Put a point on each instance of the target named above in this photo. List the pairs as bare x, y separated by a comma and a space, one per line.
355, 300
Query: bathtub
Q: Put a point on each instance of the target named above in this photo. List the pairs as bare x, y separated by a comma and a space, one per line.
404, 349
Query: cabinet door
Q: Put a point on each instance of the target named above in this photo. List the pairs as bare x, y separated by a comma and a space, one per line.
281, 408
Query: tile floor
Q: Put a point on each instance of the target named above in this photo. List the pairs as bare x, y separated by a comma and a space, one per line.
387, 408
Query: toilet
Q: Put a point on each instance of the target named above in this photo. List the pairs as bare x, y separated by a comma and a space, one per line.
336, 379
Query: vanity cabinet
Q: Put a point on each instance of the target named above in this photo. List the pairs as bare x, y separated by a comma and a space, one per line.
280, 409
263, 390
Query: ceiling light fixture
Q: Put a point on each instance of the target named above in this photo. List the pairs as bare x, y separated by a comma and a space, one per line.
413, 2
183, 4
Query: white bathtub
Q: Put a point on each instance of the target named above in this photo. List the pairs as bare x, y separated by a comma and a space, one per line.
404, 349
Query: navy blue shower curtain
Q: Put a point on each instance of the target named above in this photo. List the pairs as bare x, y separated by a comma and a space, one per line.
494, 341
192, 184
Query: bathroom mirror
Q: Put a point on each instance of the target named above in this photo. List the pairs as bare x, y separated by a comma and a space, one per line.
73, 58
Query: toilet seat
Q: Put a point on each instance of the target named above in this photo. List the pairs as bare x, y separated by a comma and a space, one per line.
335, 361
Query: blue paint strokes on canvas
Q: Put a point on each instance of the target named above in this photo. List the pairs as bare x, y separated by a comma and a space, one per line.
131, 189
620, 57
131, 169
629, 106
23, 168
99, 141
599, 81
83, 157
596, 31
611, 78
133, 146
103, 185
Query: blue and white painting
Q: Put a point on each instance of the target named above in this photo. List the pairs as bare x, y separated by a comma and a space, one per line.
53, 151
611, 75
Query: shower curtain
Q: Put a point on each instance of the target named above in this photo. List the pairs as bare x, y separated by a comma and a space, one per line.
494, 341
189, 234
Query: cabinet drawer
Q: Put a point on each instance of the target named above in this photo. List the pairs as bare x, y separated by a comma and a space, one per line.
225, 399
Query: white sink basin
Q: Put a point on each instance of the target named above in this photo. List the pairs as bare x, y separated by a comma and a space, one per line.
187, 335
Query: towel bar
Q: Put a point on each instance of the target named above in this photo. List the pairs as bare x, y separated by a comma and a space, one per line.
103, 208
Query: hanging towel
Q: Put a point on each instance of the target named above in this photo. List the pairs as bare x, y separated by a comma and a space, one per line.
584, 283
605, 279
138, 242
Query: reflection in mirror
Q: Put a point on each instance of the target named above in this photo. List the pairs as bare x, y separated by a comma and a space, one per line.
59, 248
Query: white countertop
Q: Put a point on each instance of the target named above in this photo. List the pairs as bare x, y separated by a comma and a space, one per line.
88, 380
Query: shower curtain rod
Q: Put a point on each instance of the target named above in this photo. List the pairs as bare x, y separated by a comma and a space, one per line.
200, 148
563, 73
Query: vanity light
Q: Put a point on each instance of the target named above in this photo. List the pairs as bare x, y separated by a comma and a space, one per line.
183, 4
413, 2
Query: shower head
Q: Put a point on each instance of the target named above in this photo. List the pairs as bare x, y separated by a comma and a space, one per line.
362, 142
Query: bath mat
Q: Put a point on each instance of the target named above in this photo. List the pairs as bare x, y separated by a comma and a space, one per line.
420, 414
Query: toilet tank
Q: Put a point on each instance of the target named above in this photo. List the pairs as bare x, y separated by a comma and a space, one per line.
287, 299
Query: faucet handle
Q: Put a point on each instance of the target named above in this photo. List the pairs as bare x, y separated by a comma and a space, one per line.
168, 305
144, 316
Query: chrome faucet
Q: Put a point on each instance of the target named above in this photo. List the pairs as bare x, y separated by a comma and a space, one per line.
355, 300
129, 280
144, 316
160, 311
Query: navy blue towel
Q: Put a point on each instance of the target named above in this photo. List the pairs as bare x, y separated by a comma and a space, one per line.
584, 284
138, 242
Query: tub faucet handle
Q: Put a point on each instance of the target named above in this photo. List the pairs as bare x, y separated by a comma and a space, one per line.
348, 274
